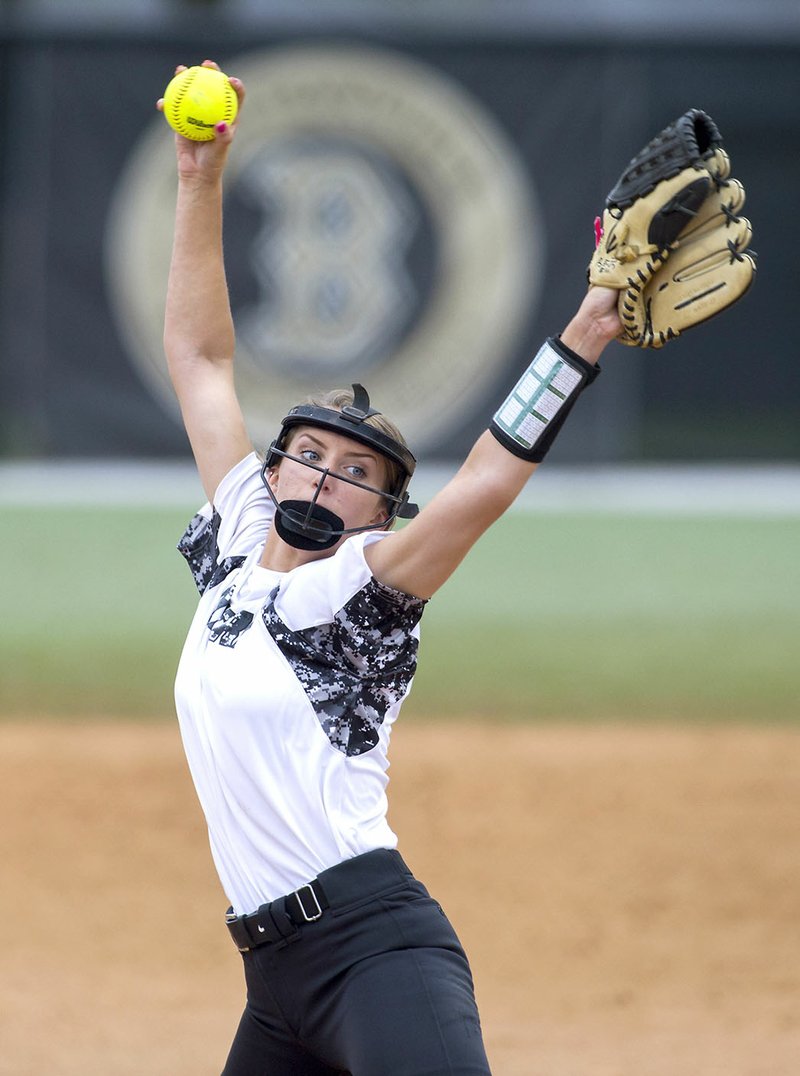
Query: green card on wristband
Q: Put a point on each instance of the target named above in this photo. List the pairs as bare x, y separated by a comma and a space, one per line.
537, 397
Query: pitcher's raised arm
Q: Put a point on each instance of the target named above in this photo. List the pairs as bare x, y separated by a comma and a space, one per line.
199, 337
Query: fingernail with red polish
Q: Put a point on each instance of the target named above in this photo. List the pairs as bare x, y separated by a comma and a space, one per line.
221, 128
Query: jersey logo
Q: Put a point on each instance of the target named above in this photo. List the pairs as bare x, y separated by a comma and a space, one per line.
224, 625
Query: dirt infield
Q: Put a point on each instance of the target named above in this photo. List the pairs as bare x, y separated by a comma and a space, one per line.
629, 898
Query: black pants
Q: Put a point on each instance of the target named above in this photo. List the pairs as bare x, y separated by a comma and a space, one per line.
378, 985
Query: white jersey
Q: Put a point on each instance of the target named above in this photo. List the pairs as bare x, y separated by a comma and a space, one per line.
286, 693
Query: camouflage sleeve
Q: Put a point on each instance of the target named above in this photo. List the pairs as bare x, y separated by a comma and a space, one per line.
220, 536
358, 666
200, 548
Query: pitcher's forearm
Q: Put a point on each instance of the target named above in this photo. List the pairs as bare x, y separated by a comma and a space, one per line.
198, 325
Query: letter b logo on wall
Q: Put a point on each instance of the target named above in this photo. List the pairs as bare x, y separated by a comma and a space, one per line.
379, 227
330, 257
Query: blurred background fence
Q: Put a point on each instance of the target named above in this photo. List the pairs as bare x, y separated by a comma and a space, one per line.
411, 204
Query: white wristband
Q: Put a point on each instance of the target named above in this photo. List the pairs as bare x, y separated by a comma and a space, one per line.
527, 421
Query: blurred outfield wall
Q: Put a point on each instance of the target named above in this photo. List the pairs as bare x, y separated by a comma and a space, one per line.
410, 204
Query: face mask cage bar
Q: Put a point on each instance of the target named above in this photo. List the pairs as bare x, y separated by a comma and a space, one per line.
351, 421
401, 506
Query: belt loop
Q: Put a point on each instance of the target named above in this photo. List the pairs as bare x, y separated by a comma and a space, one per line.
280, 917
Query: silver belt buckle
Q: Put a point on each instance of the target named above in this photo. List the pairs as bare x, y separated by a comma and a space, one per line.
308, 918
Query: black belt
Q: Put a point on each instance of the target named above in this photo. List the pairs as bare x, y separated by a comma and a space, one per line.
365, 875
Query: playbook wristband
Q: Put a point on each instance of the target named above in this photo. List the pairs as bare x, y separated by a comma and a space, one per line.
528, 421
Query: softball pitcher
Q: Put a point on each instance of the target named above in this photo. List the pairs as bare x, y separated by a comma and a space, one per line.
303, 648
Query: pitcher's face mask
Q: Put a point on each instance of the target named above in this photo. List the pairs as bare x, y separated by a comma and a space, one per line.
309, 525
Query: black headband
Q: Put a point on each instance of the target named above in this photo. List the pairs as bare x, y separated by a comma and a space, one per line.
352, 422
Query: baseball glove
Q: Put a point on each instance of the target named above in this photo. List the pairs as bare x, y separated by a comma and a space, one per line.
673, 195
708, 268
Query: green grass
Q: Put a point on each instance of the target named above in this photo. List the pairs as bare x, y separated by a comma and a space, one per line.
583, 616
97, 601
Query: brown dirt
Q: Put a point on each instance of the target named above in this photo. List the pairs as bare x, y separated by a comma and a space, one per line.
629, 897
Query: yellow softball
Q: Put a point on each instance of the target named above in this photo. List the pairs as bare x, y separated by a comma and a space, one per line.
197, 100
